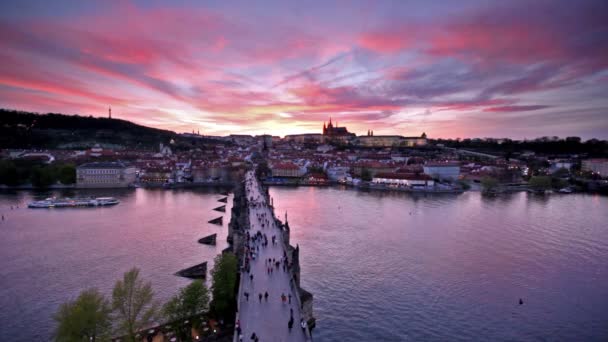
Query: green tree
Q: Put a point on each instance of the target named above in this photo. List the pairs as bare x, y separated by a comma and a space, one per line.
85, 319
489, 184
223, 286
67, 174
464, 184
187, 304
540, 182
133, 303
8, 173
366, 175
42, 177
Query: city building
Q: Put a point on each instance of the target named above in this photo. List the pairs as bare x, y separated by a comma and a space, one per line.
105, 175
379, 140
305, 138
403, 179
157, 175
598, 166
334, 132
338, 173
286, 170
443, 170
371, 140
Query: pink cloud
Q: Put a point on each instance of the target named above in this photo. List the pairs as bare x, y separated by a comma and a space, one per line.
515, 108
385, 42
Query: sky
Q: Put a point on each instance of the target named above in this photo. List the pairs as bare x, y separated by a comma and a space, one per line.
452, 69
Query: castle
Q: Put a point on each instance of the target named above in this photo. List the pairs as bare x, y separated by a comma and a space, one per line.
331, 131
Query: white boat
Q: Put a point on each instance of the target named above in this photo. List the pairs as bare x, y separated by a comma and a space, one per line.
74, 202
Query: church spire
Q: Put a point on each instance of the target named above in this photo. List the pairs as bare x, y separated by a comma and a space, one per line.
109, 112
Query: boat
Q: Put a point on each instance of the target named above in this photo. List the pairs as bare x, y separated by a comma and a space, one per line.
565, 190
74, 202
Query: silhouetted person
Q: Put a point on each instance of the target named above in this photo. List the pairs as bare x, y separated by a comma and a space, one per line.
521, 302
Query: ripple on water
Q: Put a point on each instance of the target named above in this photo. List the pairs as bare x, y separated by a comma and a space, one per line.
455, 268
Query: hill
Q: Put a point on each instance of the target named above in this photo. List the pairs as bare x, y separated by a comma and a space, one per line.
32, 130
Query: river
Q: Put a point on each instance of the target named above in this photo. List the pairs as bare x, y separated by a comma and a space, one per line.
381, 266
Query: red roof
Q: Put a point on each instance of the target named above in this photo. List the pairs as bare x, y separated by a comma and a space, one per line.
285, 166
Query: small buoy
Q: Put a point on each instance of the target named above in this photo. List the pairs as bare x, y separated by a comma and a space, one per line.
521, 302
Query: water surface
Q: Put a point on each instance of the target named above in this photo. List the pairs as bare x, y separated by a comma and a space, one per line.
48, 255
381, 266
397, 267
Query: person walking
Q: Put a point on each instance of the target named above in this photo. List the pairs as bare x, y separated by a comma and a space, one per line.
289, 298
266, 295
260, 297
246, 295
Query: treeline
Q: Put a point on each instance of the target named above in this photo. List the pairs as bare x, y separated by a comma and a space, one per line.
133, 308
546, 146
19, 172
32, 130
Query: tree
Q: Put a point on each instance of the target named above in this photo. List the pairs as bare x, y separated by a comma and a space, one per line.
489, 184
41, 177
540, 182
464, 184
8, 173
85, 319
133, 303
224, 285
190, 301
67, 174
366, 175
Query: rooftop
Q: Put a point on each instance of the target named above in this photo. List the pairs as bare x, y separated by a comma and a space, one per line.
103, 165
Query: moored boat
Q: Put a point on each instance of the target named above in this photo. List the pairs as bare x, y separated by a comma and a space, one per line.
74, 202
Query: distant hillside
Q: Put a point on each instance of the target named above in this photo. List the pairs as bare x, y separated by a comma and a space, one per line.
31, 130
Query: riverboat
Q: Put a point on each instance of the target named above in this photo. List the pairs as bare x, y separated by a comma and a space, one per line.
74, 202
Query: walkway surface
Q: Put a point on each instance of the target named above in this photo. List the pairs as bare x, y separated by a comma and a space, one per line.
268, 319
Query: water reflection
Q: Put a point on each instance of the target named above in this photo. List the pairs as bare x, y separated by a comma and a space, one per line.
396, 266
66, 250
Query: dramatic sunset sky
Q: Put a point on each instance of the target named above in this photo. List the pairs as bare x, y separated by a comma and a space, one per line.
518, 69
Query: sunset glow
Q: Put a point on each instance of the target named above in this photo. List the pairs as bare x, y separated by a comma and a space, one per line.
516, 69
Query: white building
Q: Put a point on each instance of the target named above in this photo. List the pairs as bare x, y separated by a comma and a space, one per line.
104, 175
404, 179
445, 171
287, 170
